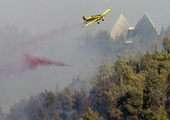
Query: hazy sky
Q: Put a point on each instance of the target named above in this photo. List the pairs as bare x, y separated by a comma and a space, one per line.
44, 15
41, 16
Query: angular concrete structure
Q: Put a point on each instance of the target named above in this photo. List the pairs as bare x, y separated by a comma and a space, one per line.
144, 28
120, 28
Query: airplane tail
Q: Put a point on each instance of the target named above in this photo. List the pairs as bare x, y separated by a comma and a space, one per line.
84, 18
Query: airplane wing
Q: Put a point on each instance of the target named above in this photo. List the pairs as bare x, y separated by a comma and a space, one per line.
90, 23
104, 13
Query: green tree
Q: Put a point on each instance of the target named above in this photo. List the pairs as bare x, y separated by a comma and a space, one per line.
90, 115
105, 92
17, 112
161, 114
131, 104
166, 44
65, 103
80, 103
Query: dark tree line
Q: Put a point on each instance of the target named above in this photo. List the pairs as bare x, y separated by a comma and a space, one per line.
136, 88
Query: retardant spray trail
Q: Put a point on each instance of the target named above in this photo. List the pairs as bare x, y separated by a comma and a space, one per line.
36, 39
33, 62
26, 62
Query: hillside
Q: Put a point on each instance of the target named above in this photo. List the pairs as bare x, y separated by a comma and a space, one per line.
131, 88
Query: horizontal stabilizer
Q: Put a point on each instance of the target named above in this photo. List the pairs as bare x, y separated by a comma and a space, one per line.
84, 18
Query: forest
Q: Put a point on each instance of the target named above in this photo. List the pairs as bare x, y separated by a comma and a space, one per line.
128, 85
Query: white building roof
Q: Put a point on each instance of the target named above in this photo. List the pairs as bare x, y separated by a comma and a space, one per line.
120, 28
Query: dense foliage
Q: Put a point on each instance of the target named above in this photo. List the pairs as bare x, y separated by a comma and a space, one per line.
136, 88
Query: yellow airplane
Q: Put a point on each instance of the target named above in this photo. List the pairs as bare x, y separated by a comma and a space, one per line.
94, 18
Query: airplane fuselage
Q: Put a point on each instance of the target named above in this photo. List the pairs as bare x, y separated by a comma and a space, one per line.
93, 17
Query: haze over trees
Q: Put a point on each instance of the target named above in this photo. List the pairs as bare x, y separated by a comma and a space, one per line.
125, 85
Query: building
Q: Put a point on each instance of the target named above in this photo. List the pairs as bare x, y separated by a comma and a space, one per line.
144, 28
